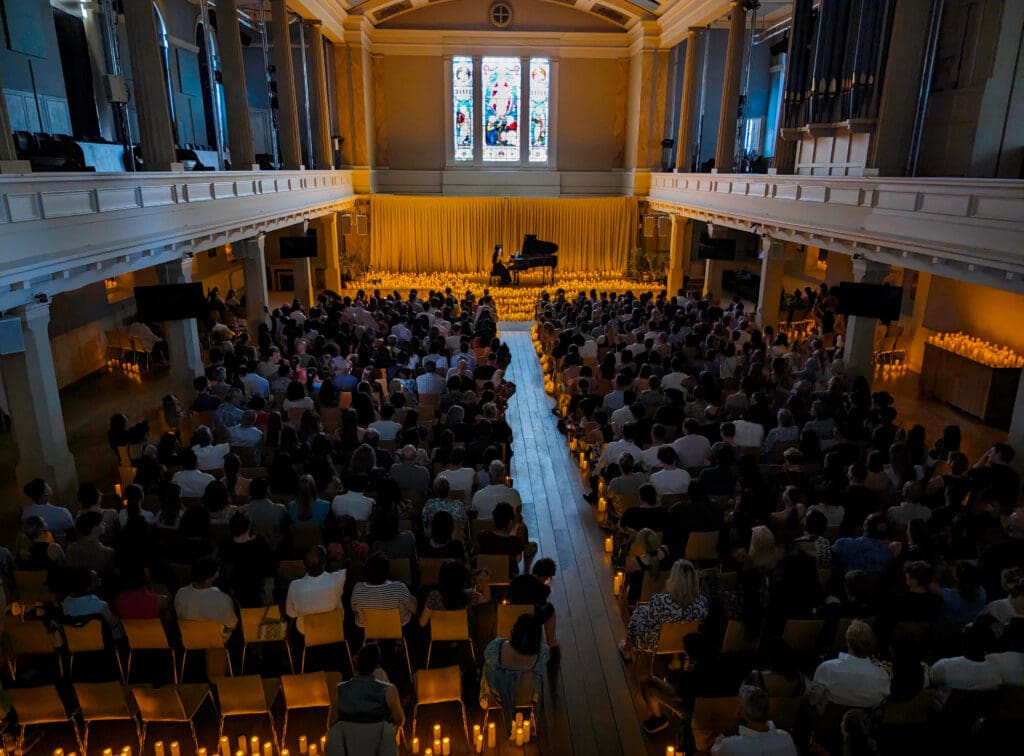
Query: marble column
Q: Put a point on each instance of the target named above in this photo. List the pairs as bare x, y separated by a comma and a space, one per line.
680, 240
156, 134
773, 266
917, 332
327, 246
182, 335
318, 102
36, 414
302, 271
726, 145
236, 98
288, 109
688, 114
254, 268
713, 270
859, 342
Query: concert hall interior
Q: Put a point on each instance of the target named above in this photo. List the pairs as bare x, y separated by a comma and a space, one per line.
561, 377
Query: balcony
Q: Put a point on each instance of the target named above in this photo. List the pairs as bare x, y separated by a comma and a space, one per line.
61, 231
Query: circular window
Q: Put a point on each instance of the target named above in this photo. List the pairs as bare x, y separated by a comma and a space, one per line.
500, 14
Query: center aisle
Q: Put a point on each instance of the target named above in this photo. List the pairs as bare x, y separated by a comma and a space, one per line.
587, 705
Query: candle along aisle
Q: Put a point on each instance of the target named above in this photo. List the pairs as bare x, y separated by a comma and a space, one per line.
519, 736
526, 731
437, 732
225, 746
268, 749
303, 744
617, 583
608, 545
479, 740
158, 749
243, 744
492, 735
175, 748
201, 752
254, 745
446, 747
415, 745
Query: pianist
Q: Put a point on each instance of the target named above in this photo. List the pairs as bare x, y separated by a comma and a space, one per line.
498, 268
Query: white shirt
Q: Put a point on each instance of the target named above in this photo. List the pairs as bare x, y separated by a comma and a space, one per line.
673, 381
906, 511
192, 483
834, 513
487, 498
693, 450
649, 457
613, 452
960, 673
460, 480
256, 385
1010, 665
388, 429
353, 504
1002, 609
430, 383
853, 681
620, 417
191, 603
773, 742
314, 595
246, 437
211, 457
675, 481
748, 434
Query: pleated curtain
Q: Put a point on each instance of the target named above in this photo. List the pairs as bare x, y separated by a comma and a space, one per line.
458, 234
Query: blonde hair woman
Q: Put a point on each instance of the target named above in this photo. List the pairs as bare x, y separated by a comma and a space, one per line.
653, 558
763, 553
681, 602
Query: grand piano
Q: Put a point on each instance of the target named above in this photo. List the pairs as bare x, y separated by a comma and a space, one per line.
535, 253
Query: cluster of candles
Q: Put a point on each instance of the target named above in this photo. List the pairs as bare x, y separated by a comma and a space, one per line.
442, 745
892, 369
513, 302
978, 350
130, 369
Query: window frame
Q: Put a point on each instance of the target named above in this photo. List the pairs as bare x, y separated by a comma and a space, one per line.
523, 163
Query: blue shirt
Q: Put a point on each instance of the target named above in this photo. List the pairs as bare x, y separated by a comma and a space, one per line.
318, 512
868, 554
227, 415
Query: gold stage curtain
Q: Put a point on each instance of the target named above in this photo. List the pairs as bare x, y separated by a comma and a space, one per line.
458, 234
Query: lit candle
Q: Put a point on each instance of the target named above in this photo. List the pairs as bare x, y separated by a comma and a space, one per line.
429, 752
175, 748
446, 747
108, 752
519, 736
479, 743
254, 746
201, 752
117, 489
670, 751
158, 749
492, 735
526, 731
617, 583
225, 746
476, 731
602, 505
285, 752
415, 745
323, 744
243, 743
268, 749
58, 752
313, 749
437, 732
437, 746
608, 545
303, 744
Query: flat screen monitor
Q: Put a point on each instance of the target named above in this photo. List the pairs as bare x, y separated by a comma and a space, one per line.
170, 302
298, 246
870, 300
716, 249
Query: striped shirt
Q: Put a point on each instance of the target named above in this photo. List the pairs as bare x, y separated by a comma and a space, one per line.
388, 595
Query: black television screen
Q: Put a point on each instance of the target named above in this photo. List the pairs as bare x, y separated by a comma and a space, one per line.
716, 249
298, 246
871, 300
170, 302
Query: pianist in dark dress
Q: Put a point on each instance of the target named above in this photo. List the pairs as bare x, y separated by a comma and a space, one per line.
498, 267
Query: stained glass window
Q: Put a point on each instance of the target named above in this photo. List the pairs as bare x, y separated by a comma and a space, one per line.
540, 78
501, 83
462, 105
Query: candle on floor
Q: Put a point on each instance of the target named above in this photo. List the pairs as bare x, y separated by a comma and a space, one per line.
476, 731
446, 747
108, 752
602, 505
175, 748
225, 746
492, 735
323, 744
117, 489
303, 744
415, 745
519, 719
254, 746
617, 583
437, 746
429, 752
58, 752
268, 749
526, 731
243, 743
158, 749
313, 749
608, 545
670, 751
201, 752
437, 732
519, 736
479, 743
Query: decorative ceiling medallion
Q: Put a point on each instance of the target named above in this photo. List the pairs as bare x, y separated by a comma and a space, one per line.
500, 14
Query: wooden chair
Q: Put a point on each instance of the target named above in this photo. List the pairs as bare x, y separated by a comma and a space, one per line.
324, 629
712, 717
105, 702
252, 620
201, 635
29, 639
147, 635
671, 639
507, 616
702, 546
449, 626
385, 624
86, 639
40, 706
173, 704
497, 565
527, 698
305, 691
802, 635
247, 696
442, 685
739, 639
30, 587
430, 571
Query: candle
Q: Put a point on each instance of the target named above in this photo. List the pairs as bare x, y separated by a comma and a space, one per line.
313, 749
60, 751
519, 719
479, 743
437, 732
108, 752
323, 744
429, 752
437, 746
117, 489
225, 746
303, 744
617, 583
175, 748
446, 747
268, 749
670, 751
526, 731
415, 745
492, 735
254, 745
158, 749
608, 545
201, 752
602, 505
243, 744
519, 736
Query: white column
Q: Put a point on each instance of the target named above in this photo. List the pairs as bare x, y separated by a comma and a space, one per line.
725, 150
36, 413
303, 274
182, 335
318, 101
859, 343
156, 135
233, 74
327, 243
773, 265
688, 104
679, 253
254, 268
288, 111
713, 270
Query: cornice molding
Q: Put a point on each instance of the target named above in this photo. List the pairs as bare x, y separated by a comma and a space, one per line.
557, 44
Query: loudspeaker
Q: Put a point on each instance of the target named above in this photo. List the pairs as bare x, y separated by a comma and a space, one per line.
12, 340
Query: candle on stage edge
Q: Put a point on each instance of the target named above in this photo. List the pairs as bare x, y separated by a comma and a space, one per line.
175, 748
446, 747
437, 732
201, 752
608, 545
437, 747
480, 743
476, 731
225, 746
670, 751
58, 752
415, 745
158, 749
268, 749
254, 745
243, 744
323, 744
492, 735
526, 731
303, 744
